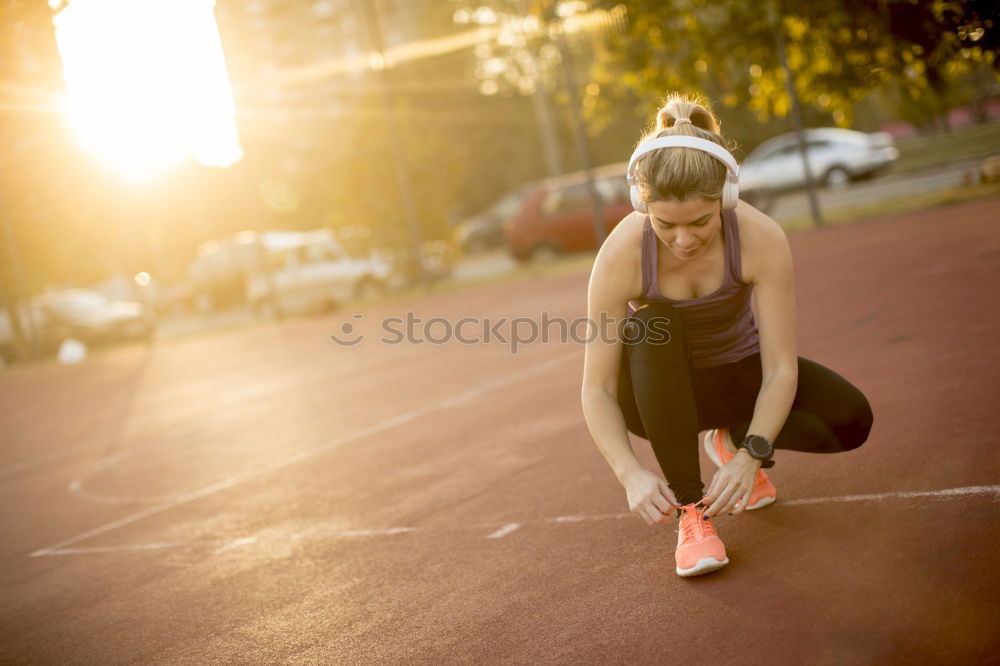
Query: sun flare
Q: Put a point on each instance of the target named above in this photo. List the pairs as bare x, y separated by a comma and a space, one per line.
147, 83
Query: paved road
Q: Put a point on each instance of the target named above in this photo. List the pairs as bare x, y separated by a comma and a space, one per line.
884, 188
263, 495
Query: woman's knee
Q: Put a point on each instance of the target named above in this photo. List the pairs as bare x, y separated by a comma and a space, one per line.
656, 333
839, 404
859, 426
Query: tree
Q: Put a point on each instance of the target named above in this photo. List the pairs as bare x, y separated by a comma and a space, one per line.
841, 50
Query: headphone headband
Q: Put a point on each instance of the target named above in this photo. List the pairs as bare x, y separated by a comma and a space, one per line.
710, 147
730, 190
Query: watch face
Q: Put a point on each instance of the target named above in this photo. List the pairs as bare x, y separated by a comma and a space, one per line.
759, 447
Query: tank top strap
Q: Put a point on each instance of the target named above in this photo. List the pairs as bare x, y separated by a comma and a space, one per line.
734, 261
650, 288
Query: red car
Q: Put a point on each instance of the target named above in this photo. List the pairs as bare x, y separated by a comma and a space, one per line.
556, 215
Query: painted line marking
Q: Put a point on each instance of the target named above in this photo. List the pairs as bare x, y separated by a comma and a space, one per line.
114, 549
236, 543
41, 460
354, 533
504, 531
391, 530
312, 452
577, 519
947, 492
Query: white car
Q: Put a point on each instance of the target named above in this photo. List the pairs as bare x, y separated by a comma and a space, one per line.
836, 157
310, 270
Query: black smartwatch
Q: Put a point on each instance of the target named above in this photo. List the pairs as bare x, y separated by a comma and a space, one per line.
760, 448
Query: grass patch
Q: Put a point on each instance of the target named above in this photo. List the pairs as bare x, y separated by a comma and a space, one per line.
924, 152
901, 204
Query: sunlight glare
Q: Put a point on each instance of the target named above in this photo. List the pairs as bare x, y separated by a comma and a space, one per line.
147, 82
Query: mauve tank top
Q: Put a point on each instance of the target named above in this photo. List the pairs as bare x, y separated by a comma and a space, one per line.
721, 326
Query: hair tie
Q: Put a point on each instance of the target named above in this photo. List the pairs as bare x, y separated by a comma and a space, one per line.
683, 120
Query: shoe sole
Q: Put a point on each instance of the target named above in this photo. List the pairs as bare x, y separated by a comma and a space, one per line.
767, 501
710, 450
705, 565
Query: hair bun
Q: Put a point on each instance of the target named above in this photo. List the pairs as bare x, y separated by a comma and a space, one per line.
691, 110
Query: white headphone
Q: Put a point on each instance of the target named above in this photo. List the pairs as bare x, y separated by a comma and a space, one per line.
731, 188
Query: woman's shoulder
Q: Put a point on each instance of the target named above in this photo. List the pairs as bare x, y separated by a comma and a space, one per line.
761, 239
624, 243
619, 258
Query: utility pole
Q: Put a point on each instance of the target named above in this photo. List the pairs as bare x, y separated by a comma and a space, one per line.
25, 338
579, 132
796, 115
23, 321
543, 114
369, 13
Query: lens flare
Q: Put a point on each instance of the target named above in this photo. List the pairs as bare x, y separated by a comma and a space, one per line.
147, 83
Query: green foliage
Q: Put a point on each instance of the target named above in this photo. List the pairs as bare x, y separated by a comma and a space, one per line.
840, 51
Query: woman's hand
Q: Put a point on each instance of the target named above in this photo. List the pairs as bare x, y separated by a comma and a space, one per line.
732, 484
649, 496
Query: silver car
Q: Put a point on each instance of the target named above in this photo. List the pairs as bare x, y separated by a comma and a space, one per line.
308, 271
836, 157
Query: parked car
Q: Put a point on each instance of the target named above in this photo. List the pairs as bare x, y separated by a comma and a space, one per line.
486, 229
301, 271
836, 157
405, 265
93, 318
218, 275
35, 330
556, 215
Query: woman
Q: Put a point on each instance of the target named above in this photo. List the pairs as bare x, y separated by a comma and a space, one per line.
693, 356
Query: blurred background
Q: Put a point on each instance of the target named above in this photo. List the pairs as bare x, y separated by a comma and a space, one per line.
172, 167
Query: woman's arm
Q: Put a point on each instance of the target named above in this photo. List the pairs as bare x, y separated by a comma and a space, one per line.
611, 285
770, 269
607, 292
774, 292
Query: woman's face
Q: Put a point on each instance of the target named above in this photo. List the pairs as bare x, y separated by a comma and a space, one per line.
687, 227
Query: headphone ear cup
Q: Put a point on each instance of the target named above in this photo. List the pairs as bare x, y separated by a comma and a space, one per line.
730, 193
638, 204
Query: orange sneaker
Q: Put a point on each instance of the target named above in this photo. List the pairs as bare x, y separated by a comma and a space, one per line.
699, 548
764, 492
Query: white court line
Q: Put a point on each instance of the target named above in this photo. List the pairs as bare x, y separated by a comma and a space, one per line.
946, 493
968, 490
93, 441
354, 533
114, 549
76, 485
577, 519
312, 452
391, 530
504, 531
41, 460
236, 543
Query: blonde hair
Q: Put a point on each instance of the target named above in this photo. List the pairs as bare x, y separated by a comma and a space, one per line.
682, 173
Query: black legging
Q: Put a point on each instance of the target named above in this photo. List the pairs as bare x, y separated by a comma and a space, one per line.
666, 400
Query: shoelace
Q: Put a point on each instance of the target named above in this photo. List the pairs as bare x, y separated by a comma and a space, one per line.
691, 526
